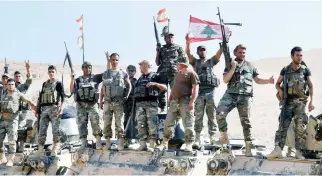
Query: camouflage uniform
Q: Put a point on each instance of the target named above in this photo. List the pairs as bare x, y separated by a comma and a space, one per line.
114, 85
146, 99
206, 96
86, 97
296, 101
50, 96
9, 122
24, 107
167, 69
181, 92
238, 94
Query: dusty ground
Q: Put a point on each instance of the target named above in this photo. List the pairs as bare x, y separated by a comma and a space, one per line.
265, 105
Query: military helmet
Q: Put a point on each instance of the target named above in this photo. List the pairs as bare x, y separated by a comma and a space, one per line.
183, 60
131, 68
86, 64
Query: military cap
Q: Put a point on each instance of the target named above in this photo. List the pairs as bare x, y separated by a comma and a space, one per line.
131, 68
201, 47
86, 64
169, 33
183, 60
145, 62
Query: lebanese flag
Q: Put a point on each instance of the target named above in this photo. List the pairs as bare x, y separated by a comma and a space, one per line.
202, 30
80, 21
162, 16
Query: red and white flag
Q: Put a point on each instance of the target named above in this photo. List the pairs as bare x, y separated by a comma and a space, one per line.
80, 21
162, 16
202, 30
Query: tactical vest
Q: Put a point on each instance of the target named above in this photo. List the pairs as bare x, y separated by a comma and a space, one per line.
242, 80
49, 94
168, 58
114, 86
297, 83
87, 90
206, 76
140, 89
133, 82
22, 89
10, 103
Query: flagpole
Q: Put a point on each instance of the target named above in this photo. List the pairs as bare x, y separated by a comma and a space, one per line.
83, 39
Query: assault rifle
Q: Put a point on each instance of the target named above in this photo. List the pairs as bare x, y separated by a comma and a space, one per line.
156, 34
6, 68
224, 43
283, 101
67, 58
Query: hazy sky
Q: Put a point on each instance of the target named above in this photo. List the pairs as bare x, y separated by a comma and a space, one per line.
36, 31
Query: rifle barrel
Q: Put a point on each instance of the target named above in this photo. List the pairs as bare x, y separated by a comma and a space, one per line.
235, 24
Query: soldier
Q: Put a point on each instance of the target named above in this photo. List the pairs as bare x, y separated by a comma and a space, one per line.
182, 100
23, 88
10, 101
4, 79
146, 91
51, 99
206, 95
128, 105
299, 88
86, 96
239, 94
115, 90
166, 59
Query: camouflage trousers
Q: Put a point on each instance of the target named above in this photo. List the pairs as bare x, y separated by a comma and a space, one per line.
9, 126
49, 114
205, 100
180, 106
227, 103
113, 108
85, 112
147, 117
296, 110
131, 132
167, 79
22, 123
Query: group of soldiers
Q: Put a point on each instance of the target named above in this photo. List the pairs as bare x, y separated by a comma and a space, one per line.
192, 94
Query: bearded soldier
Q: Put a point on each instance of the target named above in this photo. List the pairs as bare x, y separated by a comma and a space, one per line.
51, 99
299, 88
146, 91
206, 95
10, 102
86, 96
182, 100
23, 88
129, 104
239, 94
115, 91
166, 59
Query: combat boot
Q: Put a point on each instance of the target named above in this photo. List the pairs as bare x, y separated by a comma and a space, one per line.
213, 139
248, 148
196, 144
120, 147
143, 145
21, 146
40, 151
289, 152
3, 158
56, 147
164, 144
98, 143
188, 147
10, 159
108, 144
223, 139
299, 155
276, 153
